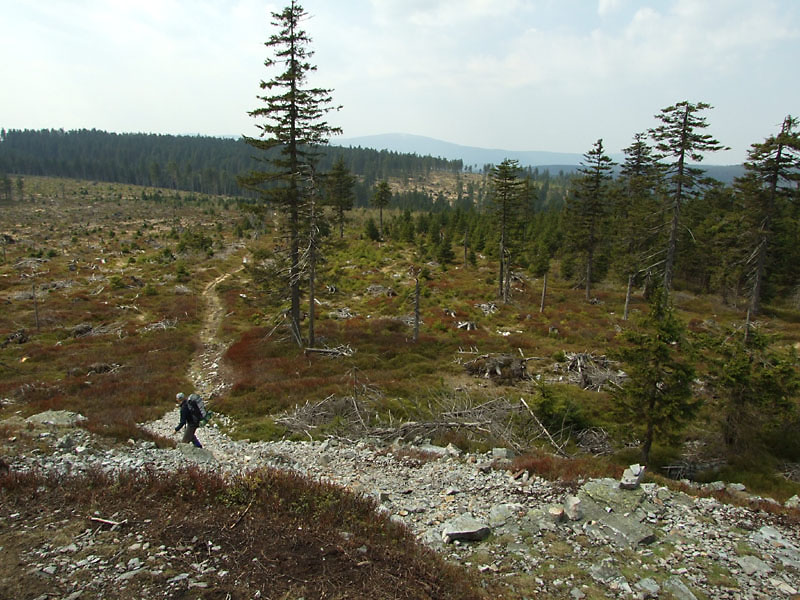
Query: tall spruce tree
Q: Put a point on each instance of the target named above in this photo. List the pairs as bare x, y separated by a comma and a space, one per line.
637, 213
679, 137
588, 206
293, 123
755, 386
507, 188
772, 172
656, 397
380, 200
341, 195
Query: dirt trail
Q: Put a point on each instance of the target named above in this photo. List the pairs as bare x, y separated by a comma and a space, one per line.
205, 370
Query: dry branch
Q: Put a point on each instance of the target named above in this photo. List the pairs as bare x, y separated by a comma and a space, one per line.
558, 448
113, 524
338, 352
590, 372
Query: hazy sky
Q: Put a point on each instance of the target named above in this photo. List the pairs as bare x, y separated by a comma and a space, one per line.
514, 74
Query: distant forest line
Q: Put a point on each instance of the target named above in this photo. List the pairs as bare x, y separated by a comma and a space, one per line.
200, 164
210, 165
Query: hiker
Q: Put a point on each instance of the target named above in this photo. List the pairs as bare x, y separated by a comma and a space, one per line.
188, 419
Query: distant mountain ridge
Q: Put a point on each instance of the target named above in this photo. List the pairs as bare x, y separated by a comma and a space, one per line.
471, 155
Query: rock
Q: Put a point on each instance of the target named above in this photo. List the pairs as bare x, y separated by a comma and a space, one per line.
775, 543
752, 565
433, 495
61, 418
649, 587
735, 487
453, 450
632, 477
572, 508
501, 513
783, 587
606, 493
465, 528
616, 514
793, 502
604, 571
556, 513
431, 449
484, 467
199, 455
502, 453
675, 586
66, 443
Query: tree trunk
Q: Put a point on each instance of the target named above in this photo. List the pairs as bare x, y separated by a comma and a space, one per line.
647, 444
544, 293
507, 286
588, 275
312, 275
747, 327
294, 265
672, 245
502, 263
627, 297
416, 308
761, 260
35, 307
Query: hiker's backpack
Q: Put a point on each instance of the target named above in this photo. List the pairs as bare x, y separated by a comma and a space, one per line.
198, 409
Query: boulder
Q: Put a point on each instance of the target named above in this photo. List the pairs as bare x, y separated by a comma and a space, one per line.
649, 587
632, 477
615, 514
675, 586
431, 449
572, 508
465, 528
604, 571
752, 565
777, 545
502, 453
501, 513
556, 513
793, 502
199, 455
60, 418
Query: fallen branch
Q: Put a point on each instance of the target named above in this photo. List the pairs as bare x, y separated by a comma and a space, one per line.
241, 516
109, 522
559, 449
344, 350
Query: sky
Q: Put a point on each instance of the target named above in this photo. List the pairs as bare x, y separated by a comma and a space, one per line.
552, 75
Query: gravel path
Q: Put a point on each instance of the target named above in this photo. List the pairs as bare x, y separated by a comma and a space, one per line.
695, 547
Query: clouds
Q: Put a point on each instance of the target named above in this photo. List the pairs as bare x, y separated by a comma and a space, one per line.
519, 74
569, 76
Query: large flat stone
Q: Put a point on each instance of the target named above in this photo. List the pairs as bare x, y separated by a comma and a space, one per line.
61, 418
465, 528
